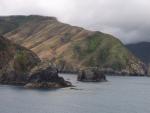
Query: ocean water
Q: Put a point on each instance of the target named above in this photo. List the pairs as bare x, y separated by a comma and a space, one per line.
118, 95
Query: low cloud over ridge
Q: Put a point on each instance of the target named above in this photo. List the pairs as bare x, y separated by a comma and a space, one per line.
126, 19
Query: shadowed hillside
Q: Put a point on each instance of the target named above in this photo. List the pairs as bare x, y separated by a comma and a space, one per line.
142, 50
15, 62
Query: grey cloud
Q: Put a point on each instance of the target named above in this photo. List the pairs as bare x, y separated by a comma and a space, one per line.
126, 19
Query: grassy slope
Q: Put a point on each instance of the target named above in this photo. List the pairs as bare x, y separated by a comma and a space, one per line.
102, 50
75, 46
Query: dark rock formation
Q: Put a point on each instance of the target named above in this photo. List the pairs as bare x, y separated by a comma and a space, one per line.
91, 75
45, 76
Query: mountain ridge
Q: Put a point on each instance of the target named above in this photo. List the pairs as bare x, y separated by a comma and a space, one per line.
73, 47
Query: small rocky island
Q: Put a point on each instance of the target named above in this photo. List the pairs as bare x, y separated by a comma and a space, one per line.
91, 75
45, 76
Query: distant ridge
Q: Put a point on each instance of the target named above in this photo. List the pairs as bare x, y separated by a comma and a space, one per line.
141, 50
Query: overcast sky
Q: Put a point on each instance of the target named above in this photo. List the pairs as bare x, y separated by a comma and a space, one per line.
129, 20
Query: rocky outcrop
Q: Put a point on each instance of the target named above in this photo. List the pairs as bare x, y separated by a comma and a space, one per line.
46, 76
91, 75
20, 66
15, 62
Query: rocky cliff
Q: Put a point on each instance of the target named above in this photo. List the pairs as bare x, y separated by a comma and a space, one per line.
15, 62
20, 66
71, 47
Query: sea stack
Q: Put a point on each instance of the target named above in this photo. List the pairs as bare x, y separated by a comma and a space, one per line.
91, 75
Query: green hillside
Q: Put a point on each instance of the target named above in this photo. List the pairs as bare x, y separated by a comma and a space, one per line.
72, 47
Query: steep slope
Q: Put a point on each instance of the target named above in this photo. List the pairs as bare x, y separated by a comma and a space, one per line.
15, 62
141, 50
73, 47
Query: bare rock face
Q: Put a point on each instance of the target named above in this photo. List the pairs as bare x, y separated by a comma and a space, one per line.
91, 75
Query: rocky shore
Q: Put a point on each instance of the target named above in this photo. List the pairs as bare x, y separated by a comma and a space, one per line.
41, 76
